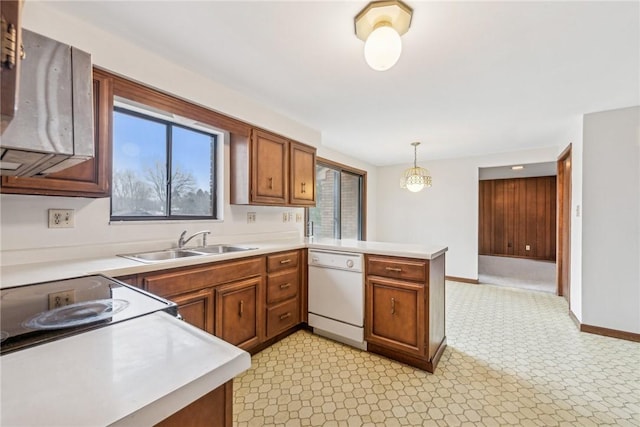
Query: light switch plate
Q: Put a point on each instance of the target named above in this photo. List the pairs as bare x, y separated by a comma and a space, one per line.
61, 218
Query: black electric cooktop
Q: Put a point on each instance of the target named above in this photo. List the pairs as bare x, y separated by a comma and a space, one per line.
38, 313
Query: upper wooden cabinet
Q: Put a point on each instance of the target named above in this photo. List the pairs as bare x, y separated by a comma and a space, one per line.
302, 189
267, 169
11, 56
90, 178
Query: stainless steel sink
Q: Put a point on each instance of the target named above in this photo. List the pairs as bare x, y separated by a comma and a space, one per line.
220, 249
164, 255
170, 254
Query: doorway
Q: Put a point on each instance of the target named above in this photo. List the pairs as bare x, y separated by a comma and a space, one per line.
517, 226
564, 224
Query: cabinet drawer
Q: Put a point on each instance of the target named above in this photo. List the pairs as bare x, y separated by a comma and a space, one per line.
282, 261
397, 268
282, 286
282, 316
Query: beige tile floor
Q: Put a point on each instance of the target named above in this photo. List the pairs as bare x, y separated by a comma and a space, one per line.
514, 357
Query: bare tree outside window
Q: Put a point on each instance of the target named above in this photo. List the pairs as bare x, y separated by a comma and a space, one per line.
140, 186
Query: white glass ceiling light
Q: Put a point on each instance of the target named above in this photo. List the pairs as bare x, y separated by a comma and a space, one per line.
415, 178
380, 26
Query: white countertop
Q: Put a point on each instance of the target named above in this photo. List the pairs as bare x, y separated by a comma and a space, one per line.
132, 373
378, 248
114, 266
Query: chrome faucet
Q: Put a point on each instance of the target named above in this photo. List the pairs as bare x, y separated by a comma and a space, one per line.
182, 241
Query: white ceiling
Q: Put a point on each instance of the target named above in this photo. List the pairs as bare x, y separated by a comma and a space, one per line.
473, 78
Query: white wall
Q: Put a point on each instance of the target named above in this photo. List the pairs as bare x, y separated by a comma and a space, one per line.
24, 218
611, 220
446, 213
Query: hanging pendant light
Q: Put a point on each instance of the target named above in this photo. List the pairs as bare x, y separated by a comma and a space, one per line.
415, 178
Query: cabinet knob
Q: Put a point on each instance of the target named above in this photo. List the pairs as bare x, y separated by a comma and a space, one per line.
285, 285
285, 261
393, 306
241, 308
270, 183
302, 187
394, 269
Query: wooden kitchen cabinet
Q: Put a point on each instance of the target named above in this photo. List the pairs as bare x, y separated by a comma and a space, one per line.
202, 291
303, 175
238, 311
268, 169
91, 178
214, 409
404, 309
11, 12
283, 292
196, 308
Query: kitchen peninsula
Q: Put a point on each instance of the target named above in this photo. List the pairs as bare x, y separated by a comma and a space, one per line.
411, 276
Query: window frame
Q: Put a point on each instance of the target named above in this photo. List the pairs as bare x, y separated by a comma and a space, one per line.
140, 112
362, 202
165, 105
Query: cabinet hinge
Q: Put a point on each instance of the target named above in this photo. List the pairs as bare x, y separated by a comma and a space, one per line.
9, 35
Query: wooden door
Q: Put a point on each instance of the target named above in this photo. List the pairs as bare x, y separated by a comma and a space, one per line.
237, 320
196, 308
394, 316
269, 168
564, 224
302, 189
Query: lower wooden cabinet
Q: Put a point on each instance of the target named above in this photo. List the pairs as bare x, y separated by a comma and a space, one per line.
404, 309
214, 409
237, 313
396, 314
282, 303
196, 308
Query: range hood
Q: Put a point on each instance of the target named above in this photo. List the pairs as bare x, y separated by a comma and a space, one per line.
53, 126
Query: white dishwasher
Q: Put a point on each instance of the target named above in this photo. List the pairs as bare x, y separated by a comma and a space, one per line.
336, 296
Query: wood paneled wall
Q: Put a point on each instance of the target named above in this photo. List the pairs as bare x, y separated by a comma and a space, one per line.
518, 217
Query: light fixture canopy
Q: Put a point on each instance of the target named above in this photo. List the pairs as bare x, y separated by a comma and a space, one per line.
416, 178
380, 25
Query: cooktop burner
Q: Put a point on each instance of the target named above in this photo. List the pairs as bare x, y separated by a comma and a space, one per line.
42, 312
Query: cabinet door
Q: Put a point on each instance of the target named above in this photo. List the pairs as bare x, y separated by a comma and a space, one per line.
302, 189
11, 12
269, 168
237, 320
196, 308
91, 178
395, 314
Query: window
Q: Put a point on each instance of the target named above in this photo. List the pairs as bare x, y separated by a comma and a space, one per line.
340, 207
161, 169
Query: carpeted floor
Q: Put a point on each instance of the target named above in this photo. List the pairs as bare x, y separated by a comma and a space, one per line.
513, 357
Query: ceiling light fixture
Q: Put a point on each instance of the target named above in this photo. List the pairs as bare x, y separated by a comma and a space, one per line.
380, 25
415, 178
517, 168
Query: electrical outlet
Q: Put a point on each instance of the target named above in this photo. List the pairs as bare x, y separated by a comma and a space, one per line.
61, 218
527, 247
62, 298
298, 217
251, 217
285, 216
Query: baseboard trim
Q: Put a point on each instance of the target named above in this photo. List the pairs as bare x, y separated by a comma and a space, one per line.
462, 279
613, 333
